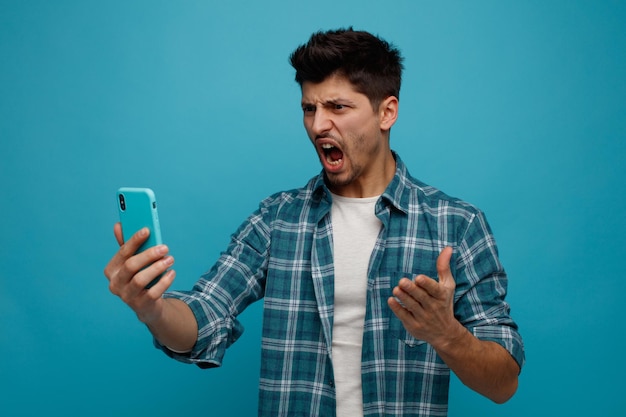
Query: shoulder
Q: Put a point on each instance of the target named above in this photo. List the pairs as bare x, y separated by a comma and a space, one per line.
452, 217
293, 205
413, 196
424, 198
435, 198
295, 195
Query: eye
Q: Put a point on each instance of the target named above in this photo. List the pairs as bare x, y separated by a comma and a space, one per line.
308, 109
339, 106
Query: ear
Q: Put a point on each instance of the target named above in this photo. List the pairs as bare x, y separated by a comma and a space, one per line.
388, 112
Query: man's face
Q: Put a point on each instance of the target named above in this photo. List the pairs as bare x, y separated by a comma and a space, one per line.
347, 135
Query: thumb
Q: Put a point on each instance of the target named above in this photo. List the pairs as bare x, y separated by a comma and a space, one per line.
443, 265
117, 230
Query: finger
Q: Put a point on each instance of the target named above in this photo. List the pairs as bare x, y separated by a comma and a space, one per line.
130, 247
162, 285
145, 259
399, 310
409, 295
443, 266
151, 272
117, 231
428, 284
136, 286
120, 256
111, 271
122, 269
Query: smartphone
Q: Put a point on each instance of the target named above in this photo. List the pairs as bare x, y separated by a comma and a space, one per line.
138, 209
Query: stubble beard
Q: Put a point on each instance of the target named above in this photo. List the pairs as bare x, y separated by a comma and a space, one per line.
346, 178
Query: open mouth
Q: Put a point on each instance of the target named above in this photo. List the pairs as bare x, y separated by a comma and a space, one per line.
333, 154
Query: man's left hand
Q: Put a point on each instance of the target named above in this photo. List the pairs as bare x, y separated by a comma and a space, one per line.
426, 307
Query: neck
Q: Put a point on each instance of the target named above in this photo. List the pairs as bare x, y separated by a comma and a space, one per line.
371, 183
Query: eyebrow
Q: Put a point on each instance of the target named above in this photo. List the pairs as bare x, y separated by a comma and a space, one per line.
330, 102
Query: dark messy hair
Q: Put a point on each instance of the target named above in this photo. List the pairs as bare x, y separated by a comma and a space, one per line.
371, 64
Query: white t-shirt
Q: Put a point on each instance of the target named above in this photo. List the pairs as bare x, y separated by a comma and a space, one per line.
355, 229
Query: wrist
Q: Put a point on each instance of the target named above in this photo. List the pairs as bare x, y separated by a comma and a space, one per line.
151, 316
456, 337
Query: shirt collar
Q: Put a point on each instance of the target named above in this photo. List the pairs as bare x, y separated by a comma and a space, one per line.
398, 192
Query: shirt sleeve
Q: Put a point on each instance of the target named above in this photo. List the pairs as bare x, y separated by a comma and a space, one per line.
220, 295
480, 303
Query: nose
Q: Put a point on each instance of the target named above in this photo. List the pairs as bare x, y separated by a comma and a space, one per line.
320, 123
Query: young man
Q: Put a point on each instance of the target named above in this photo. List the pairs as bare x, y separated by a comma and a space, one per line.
375, 285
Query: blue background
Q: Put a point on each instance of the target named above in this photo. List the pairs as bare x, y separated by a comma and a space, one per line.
517, 107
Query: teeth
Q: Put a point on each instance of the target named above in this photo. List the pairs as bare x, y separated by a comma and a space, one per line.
331, 162
328, 146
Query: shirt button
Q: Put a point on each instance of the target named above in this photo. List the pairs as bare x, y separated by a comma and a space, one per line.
331, 383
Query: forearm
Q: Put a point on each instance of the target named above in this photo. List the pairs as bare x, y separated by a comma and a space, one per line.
175, 327
484, 366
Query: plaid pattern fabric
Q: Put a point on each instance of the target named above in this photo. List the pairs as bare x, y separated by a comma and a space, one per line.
283, 253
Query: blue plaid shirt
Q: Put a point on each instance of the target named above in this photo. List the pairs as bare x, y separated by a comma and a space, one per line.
283, 252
